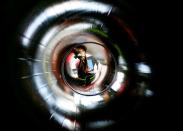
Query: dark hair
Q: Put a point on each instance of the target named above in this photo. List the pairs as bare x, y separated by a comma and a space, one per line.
76, 49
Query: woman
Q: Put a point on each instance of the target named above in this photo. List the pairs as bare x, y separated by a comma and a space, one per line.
82, 68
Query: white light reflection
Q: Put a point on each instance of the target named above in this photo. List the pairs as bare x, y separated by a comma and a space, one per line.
122, 63
143, 68
60, 118
66, 105
149, 93
100, 124
47, 95
78, 27
68, 124
37, 22
89, 102
119, 80
25, 41
60, 9
49, 34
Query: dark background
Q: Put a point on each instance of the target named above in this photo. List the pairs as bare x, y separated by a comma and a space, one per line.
159, 112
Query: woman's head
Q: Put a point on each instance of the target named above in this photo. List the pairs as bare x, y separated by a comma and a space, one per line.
80, 52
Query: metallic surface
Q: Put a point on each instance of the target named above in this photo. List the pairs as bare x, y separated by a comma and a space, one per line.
47, 39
